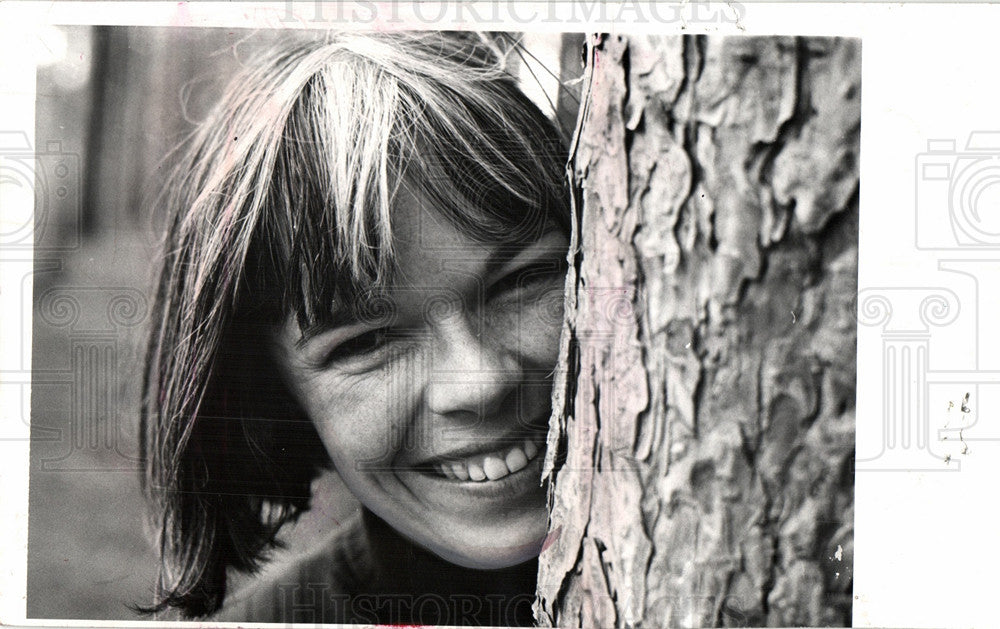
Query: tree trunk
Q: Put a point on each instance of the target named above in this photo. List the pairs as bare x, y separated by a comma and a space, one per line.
703, 469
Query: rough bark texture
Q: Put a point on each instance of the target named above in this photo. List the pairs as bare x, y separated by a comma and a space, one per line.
703, 463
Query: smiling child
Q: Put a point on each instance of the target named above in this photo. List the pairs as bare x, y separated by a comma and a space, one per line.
364, 270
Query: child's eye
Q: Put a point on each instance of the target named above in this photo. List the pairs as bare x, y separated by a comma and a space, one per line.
529, 276
359, 346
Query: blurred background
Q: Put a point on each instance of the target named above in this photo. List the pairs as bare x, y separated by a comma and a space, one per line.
111, 104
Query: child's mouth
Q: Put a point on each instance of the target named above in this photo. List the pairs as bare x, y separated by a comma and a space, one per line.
492, 466
495, 476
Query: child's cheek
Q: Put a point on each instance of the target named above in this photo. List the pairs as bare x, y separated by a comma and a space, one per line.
541, 325
529, 326
360, 423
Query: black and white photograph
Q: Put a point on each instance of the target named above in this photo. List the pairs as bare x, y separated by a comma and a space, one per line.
498, 314
438, 327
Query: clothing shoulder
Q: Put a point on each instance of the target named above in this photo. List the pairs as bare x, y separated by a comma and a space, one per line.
314, 588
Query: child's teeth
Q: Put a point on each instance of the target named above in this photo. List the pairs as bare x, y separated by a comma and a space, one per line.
476, 472
516, 459
491, 466
459, 470
530, 449
494, 467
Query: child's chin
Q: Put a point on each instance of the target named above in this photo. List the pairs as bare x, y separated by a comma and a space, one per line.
493, 557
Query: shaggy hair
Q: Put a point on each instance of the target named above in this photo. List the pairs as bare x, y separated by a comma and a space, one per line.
282, 206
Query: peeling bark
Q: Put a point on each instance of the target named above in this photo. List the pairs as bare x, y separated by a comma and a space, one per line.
703, 440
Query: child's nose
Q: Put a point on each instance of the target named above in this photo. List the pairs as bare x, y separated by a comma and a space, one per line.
472, 373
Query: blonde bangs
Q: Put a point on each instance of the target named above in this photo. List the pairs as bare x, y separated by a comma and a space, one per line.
436, 112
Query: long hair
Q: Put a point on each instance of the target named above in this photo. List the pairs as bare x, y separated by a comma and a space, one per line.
282, 206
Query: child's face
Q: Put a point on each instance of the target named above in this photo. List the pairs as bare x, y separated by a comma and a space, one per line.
435, 414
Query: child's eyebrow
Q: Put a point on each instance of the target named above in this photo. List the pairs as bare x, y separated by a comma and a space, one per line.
499, 257
339, 318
